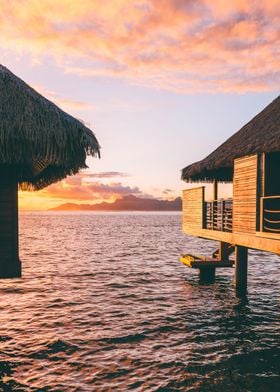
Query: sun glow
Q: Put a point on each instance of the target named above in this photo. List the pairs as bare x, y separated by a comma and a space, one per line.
144, 70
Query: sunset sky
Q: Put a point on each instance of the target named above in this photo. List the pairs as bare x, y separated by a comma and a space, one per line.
160, 82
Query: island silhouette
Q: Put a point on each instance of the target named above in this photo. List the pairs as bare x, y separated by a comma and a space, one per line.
126, 203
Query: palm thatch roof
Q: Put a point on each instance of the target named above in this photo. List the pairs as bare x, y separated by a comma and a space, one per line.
261, 134
42, 143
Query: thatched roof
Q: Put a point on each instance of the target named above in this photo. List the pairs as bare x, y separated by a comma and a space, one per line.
40, 141
261, 134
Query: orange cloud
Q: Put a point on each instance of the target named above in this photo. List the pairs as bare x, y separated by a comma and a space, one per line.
80, 188
108, 174
64, 103
179, 45
75, 189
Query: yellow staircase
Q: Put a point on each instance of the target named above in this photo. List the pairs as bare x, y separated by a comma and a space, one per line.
201, 261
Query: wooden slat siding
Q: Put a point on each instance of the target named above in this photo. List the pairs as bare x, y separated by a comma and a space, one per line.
193, 207
245, 195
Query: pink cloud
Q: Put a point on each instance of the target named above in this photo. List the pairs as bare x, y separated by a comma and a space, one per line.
108, 174
63, 102
79, 188
115, 188
179, 45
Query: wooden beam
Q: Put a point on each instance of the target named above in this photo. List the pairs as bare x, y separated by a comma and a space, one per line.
39, 166
252, 240
215, 190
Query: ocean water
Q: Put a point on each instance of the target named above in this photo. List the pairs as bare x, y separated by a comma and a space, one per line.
105, 305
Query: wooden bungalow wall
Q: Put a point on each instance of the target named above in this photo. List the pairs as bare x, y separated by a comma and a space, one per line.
193, 207
245, 195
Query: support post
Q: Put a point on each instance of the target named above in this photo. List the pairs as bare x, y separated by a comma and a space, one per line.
207, 274
10, 266
215, 190
223, 251
241, 269
215, 205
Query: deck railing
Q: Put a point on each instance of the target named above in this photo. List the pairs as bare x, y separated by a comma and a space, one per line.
270, 214
218, 215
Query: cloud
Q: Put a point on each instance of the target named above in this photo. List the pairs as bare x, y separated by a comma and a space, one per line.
113, 188
64, 103
167, 191
109, 174
184, 46
77, 188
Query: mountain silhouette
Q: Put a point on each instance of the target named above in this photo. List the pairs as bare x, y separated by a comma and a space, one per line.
127, 203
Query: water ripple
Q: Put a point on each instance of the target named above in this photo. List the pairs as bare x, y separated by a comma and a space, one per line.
104, 305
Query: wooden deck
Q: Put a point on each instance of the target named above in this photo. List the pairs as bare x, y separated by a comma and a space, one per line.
260, 241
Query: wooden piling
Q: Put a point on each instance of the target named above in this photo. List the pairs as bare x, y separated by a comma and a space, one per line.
10, 266
241, 268
207, 274
224, 250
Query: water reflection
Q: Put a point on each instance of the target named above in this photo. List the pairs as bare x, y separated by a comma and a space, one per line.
104, 304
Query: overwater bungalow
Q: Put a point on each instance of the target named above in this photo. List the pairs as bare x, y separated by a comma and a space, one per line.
250, 219
39, 145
